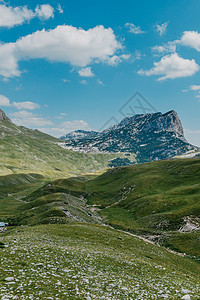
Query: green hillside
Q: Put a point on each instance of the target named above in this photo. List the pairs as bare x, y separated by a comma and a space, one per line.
159, 200
30, 151
13, 189
82, 261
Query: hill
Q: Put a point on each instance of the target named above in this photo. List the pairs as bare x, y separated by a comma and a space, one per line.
142, 138
30, 151
158, 200
82, 261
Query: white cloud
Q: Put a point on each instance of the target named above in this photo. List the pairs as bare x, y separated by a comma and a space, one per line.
26, 105
44, 11
65, 80
195, 87
83, 81
169, 47
59, 8
65, 44
8, 61
134, 29
66, 127
116, 59
61, 116
161, 29
86, 72
4, 101
191, 39
100, 82
25, 118
12, 16
193, 136
137, 55
172, 66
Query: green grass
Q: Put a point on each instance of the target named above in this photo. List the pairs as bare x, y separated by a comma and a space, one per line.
152, 199
30, 151
13, 189
80, 261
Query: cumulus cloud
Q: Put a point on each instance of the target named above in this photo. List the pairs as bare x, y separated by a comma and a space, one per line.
4, 101
25, 118
12, 16
133, 28
86, 72
172, 66
66, 127
44, 11
191, 39
65, 44
26, 105
161, 29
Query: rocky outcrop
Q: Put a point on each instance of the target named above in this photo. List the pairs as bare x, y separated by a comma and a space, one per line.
149, 137
4, 117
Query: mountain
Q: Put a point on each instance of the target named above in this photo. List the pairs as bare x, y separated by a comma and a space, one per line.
107, 232
79, 134
3, 116
30, 151
148, 137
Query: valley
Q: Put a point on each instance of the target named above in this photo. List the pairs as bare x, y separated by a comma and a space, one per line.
81, 229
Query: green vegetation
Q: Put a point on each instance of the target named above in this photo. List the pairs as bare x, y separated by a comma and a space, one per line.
158, 200
13, 189
80, 261
30, 151
62, 251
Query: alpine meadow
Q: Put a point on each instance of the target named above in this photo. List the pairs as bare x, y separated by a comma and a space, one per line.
99, 150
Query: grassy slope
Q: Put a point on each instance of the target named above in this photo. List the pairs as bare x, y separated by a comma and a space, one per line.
24, 152
91, 262
30, 151
151, 199
13, 188
148, 199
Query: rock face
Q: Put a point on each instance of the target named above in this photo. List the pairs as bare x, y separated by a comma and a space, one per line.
149, 137
4, 117
79, 134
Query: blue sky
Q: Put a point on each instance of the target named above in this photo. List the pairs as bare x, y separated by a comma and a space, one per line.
73, 64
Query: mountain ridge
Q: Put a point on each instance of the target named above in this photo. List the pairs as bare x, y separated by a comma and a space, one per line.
4, 117
149, 137
25, 150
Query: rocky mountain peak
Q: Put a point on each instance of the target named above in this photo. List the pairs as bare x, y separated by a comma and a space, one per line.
154, 122
3, 116
146, 137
